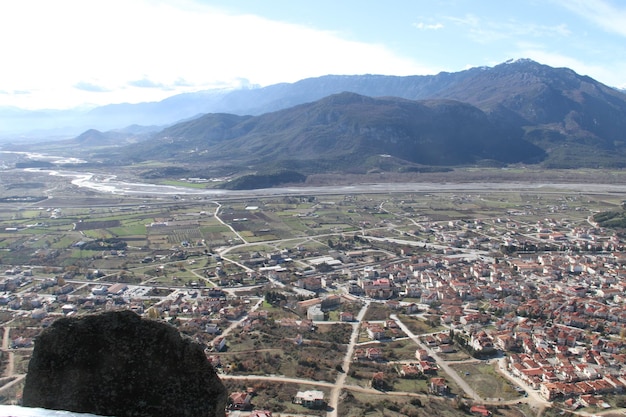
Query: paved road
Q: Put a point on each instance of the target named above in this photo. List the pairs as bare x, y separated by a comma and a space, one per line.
333, 402
325, 384
237, 323
216, 215
10, 369
17, 380
533, 398
339, 385
440, 362
5, 348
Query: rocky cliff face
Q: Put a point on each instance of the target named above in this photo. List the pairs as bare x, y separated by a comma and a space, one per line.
117, 364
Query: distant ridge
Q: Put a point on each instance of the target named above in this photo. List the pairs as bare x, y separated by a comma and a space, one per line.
519, 111
472, 86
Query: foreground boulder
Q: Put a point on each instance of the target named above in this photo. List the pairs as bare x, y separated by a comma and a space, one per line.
117, 364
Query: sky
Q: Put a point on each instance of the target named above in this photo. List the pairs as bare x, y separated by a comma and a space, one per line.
79, 53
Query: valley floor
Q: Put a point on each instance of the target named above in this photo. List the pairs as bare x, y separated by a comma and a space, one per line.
376, 299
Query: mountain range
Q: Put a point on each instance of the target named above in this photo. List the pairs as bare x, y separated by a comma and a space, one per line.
516, 112
347, 130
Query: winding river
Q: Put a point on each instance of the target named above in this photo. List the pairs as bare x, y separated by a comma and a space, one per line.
111, 184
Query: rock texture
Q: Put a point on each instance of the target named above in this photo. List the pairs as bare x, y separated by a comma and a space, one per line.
117, 364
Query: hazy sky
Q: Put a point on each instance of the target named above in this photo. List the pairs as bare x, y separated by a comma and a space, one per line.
66, 53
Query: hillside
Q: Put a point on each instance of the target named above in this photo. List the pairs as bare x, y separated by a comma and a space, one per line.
577, 120
481, 115
345, 132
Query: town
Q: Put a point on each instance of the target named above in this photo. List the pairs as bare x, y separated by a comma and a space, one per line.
491, 303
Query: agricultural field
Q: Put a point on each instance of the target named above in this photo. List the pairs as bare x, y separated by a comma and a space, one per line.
52, 234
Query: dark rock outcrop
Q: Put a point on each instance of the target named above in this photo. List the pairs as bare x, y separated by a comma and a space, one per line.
117, 364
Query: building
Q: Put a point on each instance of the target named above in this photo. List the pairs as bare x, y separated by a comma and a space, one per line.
310, 399
100, 290
438, 386
68, 309
117, 289
346, 316
219, 344
480, 410
378, 380
315, 313
374, 354
212, 328
409, 371
239, 400
310, 283
331, 302
375, 331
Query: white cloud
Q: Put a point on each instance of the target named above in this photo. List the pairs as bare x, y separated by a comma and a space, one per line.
128, 45
428, 26
146, 83
91, 87
608, 16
